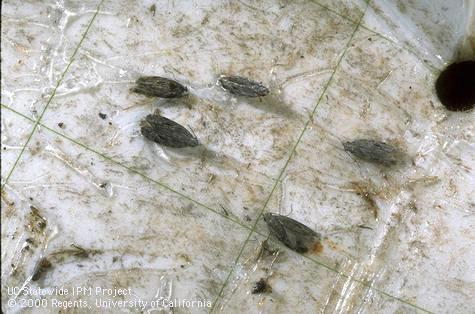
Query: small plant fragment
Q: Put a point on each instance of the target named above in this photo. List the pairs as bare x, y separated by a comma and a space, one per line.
167, 132
40, 269
455, 86
36, 222
157, 86
261, 286
295, 235
242, 86
75, 251
374, 151
364, 227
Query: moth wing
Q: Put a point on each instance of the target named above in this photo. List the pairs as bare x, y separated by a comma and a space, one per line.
290, 232
294, 227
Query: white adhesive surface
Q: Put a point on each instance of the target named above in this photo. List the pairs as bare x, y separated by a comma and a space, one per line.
184, 224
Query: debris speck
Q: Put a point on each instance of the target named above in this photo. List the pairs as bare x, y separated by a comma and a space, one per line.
36, 223
153, 9
103, 116
262, 286
41, 268
368, 195
364, 227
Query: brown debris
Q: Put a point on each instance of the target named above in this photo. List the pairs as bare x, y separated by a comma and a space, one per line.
41, 268
262, 286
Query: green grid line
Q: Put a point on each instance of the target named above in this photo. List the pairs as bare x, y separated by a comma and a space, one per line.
403, 47
226, 281
253, 228
123, 165
104, 156
219, 212
278, 180
36, 123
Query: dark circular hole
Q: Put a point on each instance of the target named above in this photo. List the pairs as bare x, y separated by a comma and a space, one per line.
455, 86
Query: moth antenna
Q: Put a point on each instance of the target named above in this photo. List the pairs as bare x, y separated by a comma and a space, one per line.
291, 210
224, 209
192, 131
170, 70
358, 166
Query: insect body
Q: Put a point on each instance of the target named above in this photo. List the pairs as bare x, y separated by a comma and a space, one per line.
374, 151
167, 132
157, 86
295, 235
242, 86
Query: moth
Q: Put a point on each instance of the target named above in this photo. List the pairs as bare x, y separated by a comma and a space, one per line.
374, 151
166, 132
295, 235
157, 86
242, 86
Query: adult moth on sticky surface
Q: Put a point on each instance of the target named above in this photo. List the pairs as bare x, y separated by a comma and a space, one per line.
166, 132
374, 151
295, 235
242, 86
157, 86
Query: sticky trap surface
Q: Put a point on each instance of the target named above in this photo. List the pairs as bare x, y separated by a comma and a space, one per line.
84, 190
